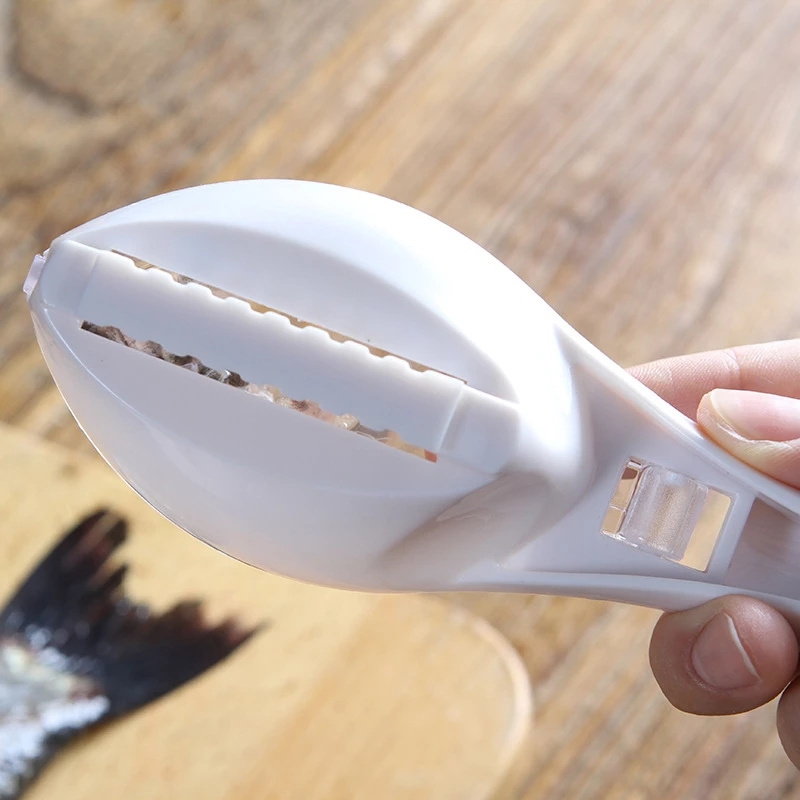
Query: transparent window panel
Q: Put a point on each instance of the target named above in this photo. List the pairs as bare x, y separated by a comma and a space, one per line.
667, 514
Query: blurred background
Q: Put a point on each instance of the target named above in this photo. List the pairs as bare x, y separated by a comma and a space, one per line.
636, 162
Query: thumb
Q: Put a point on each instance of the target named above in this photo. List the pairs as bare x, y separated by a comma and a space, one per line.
763, 430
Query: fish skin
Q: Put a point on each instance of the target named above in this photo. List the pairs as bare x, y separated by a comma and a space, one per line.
75, 651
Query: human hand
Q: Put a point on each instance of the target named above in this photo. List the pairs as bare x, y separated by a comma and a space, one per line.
735, 653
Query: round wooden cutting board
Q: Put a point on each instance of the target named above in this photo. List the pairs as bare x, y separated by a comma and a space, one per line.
344, 696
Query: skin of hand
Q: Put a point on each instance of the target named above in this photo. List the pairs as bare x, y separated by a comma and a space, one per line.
735, 653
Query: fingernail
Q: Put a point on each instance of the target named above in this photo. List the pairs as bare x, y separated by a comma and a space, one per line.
757, 416
719, 657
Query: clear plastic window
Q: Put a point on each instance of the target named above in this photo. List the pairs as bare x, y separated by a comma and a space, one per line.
667, 514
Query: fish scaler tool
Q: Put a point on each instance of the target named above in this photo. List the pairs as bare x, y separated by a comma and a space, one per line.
333, 386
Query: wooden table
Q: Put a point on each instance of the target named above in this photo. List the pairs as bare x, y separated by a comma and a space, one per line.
638, 163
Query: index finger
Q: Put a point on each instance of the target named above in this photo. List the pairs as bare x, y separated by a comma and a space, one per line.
683, 380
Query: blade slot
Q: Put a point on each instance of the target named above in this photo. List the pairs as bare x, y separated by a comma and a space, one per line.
260, 308
269, 393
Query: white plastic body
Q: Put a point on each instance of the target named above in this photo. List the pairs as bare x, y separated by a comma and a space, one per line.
531, 424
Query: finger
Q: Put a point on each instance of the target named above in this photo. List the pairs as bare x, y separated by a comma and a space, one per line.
789, 722
730, 655
682, 381
763, 430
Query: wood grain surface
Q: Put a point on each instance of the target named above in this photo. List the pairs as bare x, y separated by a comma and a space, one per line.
636, 162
